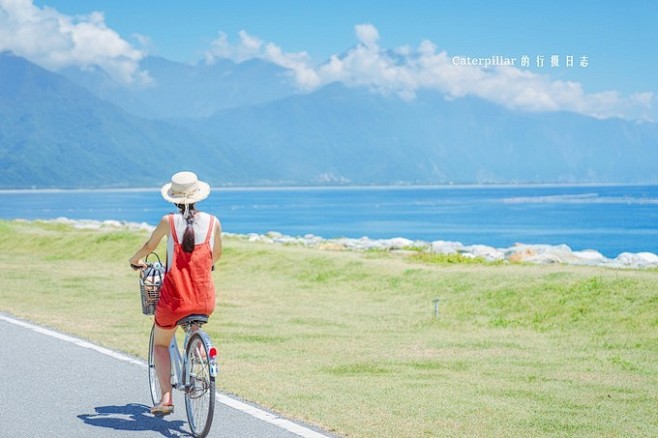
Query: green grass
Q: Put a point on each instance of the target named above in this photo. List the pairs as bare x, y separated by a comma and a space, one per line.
457, 258
349, 341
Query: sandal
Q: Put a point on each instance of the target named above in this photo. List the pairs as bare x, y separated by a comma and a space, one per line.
162, 410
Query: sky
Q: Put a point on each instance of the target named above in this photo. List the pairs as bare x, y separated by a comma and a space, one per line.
590, 57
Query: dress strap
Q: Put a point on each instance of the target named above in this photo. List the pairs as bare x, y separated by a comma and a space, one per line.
172, 228
211, 225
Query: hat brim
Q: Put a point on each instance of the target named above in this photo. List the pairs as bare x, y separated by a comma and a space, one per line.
200, 195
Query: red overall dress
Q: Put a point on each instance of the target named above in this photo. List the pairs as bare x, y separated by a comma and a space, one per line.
188, 287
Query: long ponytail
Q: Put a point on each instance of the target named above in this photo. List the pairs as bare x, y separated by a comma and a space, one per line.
188, 212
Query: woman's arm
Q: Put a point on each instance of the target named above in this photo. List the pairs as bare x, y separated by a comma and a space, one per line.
156, 236
217, 244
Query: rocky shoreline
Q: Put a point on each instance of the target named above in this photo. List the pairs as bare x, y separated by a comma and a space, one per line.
519, 253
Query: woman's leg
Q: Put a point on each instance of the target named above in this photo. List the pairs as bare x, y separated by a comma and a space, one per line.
161, 340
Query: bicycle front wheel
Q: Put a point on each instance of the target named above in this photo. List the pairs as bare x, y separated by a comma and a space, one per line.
154, 383
200, 389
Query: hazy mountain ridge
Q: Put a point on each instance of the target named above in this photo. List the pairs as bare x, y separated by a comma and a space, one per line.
247, 124
365, 138
54, 133
180, 90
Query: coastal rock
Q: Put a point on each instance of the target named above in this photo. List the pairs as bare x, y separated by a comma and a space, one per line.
88, 224
112, 224
649, 257
253, 237
590, 256
638, 260
542, 254
398, 243
311, 240
443, 247
486, 252
519, 255
333, 246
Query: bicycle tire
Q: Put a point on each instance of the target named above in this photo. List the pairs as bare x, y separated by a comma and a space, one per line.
154, 383
200, 390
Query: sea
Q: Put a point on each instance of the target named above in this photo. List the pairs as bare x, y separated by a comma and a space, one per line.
610, 219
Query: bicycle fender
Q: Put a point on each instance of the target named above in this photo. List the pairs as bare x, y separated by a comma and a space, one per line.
214, 367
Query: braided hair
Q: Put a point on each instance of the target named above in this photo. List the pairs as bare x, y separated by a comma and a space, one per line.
188, 211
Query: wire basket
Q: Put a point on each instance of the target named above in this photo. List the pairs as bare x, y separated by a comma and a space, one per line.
150, 282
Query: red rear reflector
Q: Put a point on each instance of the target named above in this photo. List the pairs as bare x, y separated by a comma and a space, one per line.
212, 353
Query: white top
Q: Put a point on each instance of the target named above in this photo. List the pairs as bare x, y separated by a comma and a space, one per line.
201, 223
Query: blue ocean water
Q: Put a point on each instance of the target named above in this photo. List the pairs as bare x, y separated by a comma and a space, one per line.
611, 219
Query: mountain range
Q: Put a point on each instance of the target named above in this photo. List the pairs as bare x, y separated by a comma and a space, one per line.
247, 124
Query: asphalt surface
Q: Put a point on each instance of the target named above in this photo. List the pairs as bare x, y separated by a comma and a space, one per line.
51, 387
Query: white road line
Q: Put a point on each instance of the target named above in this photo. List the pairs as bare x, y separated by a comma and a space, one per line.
246, 408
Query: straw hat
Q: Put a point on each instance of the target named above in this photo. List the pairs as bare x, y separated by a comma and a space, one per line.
185, 188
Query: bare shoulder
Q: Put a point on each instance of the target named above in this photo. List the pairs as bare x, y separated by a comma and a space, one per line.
164, 221
218, 224
163, 225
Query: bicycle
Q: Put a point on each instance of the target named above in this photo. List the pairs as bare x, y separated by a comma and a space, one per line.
193, 373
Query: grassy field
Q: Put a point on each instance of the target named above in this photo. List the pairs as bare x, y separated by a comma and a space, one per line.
350, 342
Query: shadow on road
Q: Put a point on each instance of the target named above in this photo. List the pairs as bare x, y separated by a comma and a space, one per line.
133, 417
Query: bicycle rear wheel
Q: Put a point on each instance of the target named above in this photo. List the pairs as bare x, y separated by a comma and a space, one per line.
200, 389
154, 383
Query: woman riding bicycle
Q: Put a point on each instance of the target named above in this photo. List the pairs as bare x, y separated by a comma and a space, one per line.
194, 245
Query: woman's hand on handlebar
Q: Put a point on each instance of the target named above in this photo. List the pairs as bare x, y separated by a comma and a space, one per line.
137, 265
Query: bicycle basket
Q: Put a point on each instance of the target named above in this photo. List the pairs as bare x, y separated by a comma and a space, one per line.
150, 281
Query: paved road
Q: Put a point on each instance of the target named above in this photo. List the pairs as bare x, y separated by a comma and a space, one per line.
52, 386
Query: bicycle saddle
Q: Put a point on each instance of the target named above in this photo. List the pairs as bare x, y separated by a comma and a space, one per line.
193, 319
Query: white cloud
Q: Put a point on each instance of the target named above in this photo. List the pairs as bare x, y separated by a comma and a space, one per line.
367, 34
144, 42
251, 47
54, 40
405, 70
